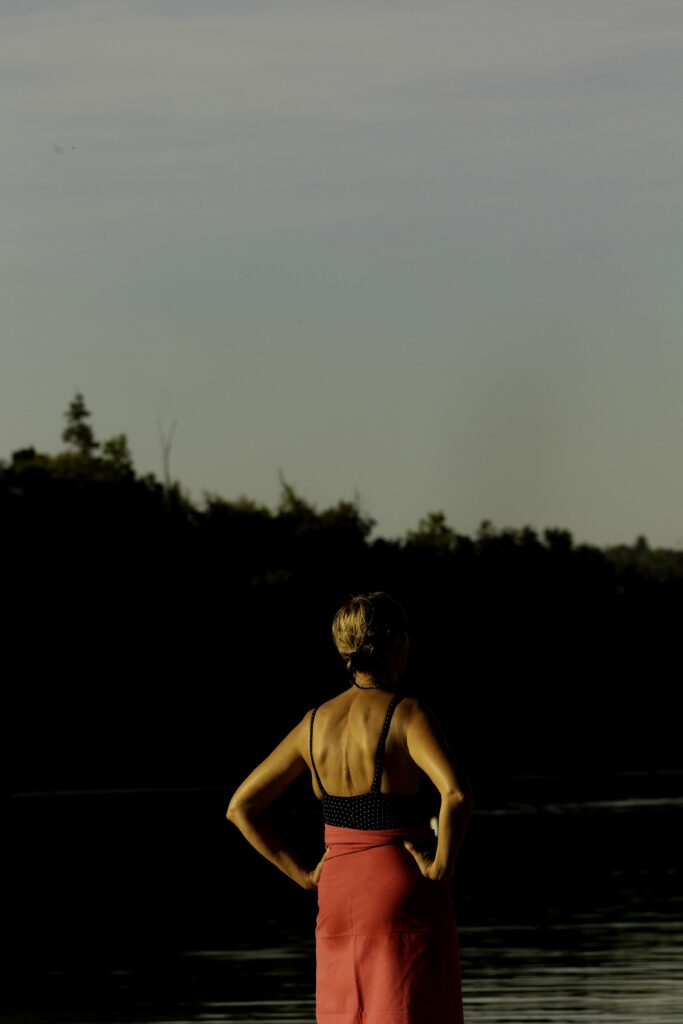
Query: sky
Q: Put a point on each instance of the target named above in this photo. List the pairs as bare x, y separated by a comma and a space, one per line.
423, 255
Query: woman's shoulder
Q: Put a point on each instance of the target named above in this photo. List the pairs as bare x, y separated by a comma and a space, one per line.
415, 712
332, 702
411, 705
326, 707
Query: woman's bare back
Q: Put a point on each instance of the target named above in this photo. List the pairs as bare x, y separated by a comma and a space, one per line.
346, 734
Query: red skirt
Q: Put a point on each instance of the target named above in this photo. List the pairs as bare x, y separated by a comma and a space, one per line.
386, 938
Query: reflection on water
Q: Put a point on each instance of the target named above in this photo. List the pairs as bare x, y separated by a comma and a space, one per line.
266, 984
258, 985
585, 971
568, 911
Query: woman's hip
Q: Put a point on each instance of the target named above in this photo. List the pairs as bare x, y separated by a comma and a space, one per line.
375, 888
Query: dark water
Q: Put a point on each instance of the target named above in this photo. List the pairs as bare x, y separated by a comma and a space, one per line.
150, 907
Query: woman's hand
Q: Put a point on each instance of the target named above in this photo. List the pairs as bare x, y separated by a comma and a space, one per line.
311, 878
426, 862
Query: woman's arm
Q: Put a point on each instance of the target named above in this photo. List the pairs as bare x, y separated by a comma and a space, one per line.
428, 748
249, 803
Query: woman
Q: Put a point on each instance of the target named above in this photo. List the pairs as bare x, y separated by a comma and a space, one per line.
386, 939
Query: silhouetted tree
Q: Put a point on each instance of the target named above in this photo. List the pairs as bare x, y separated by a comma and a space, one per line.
78, 433
558, 541
292, 504
433, 532
117, 453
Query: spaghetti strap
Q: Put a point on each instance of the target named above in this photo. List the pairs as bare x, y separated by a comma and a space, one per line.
376, 782
322, 788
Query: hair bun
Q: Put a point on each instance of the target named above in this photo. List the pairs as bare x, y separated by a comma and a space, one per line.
365, 629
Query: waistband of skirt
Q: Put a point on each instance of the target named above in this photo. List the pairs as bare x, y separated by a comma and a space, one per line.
337, 835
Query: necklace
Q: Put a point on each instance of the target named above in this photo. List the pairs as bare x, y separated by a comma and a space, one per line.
377, 686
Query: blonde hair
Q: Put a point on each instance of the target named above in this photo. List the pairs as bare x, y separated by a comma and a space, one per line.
366, 628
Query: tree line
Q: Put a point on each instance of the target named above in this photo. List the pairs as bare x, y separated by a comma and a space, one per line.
154, 641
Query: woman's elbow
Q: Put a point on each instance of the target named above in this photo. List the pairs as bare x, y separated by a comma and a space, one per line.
459, 797
235, 809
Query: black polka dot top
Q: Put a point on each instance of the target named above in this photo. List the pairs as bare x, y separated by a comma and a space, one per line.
373, 810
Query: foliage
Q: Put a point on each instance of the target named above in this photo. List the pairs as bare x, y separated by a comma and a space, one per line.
78, 432
121, 585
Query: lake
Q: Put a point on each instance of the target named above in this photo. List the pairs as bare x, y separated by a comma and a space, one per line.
148, 906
